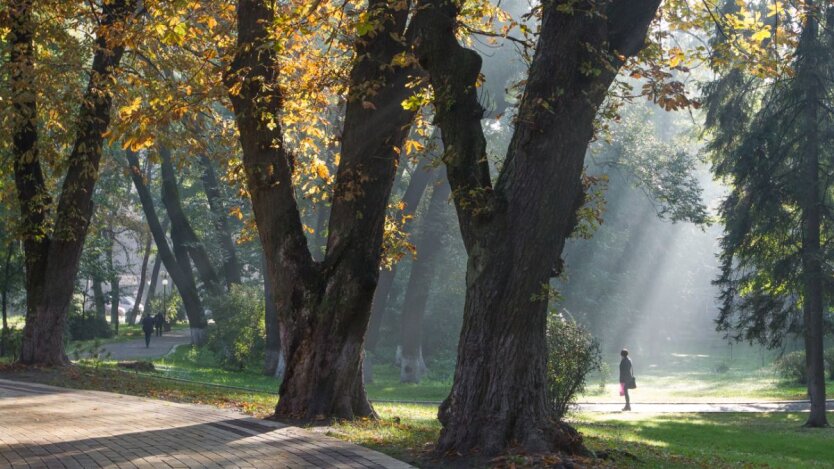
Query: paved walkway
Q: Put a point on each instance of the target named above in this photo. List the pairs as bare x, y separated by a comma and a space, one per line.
666, 408
45, 427
159, 346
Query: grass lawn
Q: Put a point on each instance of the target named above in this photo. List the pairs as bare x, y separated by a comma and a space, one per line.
710, 440
685, 378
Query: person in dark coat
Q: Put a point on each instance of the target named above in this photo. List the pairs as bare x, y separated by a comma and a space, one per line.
147, 326
159, 321
626, 376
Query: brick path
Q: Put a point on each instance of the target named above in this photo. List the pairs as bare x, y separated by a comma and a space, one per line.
45, 427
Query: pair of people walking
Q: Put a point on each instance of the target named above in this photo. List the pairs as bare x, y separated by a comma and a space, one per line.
151, 324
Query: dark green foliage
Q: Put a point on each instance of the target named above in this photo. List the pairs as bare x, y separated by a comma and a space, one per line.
87, 327
759, 134
13, 339
792, 366
238, 334
572, 353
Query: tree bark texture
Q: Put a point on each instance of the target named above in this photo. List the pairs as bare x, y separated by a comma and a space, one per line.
186, 243
428, 244
323, 307
183, 279
211, 186
514, 232
157, 264
52, 259
809, 77
411, 198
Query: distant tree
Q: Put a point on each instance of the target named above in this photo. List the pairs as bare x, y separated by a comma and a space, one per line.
174, 258
773, 144
428, 243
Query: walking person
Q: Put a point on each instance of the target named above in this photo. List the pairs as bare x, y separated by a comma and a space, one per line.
147, 327
159, 321
627, 380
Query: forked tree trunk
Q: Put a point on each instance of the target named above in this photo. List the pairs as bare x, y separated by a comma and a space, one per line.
514, 233
324, 307
810, 76
52, 259
183, 278
186, 243
429, 244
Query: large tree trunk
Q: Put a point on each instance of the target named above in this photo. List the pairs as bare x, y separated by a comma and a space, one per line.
514, 233
231, 266
323, 307
52, 261
809, 76
411, 199
429, 245
186, 243
183, 279
143, 275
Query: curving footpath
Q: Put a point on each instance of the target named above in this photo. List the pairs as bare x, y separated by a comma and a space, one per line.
159, 346
45, 427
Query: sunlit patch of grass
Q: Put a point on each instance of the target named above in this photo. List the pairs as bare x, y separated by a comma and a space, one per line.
387, 386
404, 431
712, 440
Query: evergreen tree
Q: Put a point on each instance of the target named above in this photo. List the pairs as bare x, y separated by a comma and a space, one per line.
772, 145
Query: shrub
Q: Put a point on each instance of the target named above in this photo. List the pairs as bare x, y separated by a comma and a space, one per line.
722, 368
12, 342
87, 327
572, 353
238, 334
173, 311
829, 362
792, 366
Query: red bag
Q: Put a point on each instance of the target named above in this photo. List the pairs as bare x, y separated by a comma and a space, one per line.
622, 389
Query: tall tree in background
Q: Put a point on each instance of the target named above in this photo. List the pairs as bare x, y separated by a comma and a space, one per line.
420, 178
773, 145
428, 244
52, 255
514, 231
324, 306
181, 274
220, 217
